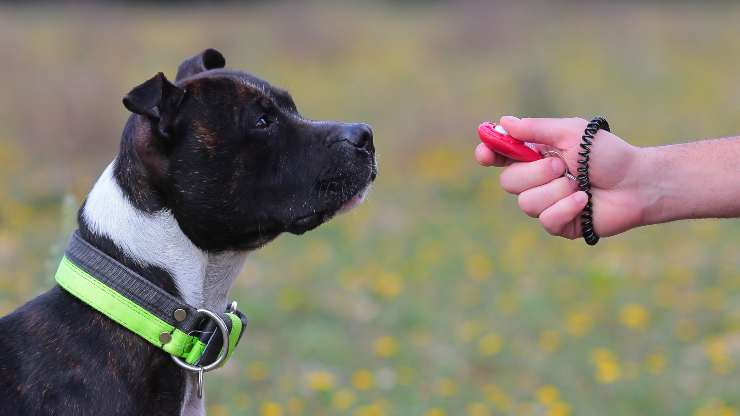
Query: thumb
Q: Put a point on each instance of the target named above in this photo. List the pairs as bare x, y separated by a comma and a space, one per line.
549, 131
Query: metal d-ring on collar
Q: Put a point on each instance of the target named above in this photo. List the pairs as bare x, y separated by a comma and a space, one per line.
149, 311
221, 356
555, 153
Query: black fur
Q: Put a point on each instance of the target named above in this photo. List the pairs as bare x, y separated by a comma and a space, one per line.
237, 165
61, 357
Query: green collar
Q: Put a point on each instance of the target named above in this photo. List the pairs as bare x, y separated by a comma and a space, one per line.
197, 339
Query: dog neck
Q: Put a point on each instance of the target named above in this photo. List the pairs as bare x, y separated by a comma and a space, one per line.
153, 244
155, 240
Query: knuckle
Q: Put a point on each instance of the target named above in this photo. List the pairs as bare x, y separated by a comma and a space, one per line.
527, 205
545, 169
549, 225
578, 121
527, 124
507, 182
563, 186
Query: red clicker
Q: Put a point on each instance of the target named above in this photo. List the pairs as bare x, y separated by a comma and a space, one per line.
498, 140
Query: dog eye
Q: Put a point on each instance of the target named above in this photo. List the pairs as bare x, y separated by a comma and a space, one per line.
263, 122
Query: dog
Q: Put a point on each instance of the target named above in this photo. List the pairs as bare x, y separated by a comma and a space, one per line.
210, 168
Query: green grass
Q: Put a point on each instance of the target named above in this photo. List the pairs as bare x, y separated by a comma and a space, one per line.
436, 296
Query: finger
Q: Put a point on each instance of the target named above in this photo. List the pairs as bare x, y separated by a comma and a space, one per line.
534, 201
519, 177
486, 157
556, 218
549, 131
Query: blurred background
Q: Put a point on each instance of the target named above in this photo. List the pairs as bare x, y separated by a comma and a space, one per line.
436, 297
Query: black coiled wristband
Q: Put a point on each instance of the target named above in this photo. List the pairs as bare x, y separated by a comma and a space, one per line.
584, 183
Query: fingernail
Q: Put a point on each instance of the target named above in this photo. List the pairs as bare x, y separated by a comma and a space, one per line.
557, 165
511, 118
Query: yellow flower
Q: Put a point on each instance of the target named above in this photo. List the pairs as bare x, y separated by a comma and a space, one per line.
388, 285
385, 346
634, 316
601, 354
547, 394
445, 387
549, 340
497, 397
478, 409
363, 380
375, 409
257, 371
467, 331
343, 399
271, 409
435, 411
607, 369
655, 363
715, 408
558, 409
479, 267
716, 351
489, 345
607, 372
320, 380
578, 324
218, 410
727, 411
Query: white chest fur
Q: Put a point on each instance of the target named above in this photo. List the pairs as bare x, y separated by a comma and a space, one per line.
155, 239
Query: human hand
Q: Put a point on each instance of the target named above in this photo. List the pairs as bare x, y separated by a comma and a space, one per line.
544, 192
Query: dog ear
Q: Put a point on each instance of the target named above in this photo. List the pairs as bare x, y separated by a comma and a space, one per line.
157, 99
208, 59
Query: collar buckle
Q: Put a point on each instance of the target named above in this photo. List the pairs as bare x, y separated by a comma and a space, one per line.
224, 348
221, 356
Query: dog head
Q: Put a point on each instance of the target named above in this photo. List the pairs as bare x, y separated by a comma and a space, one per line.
233, 159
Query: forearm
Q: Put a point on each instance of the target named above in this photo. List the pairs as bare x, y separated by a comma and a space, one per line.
692, 180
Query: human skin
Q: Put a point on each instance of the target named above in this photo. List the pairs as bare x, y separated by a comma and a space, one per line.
631, 186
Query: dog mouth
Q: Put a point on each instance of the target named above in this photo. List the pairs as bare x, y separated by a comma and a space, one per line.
310, 221
355, 201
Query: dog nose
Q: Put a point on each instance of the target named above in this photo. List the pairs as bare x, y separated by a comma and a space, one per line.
360, 135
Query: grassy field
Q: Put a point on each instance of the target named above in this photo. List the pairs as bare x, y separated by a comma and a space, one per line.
436, 297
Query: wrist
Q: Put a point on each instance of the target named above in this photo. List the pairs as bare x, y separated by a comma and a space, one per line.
647, 186
656, 187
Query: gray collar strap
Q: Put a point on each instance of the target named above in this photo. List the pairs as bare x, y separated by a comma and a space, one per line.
198, 340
